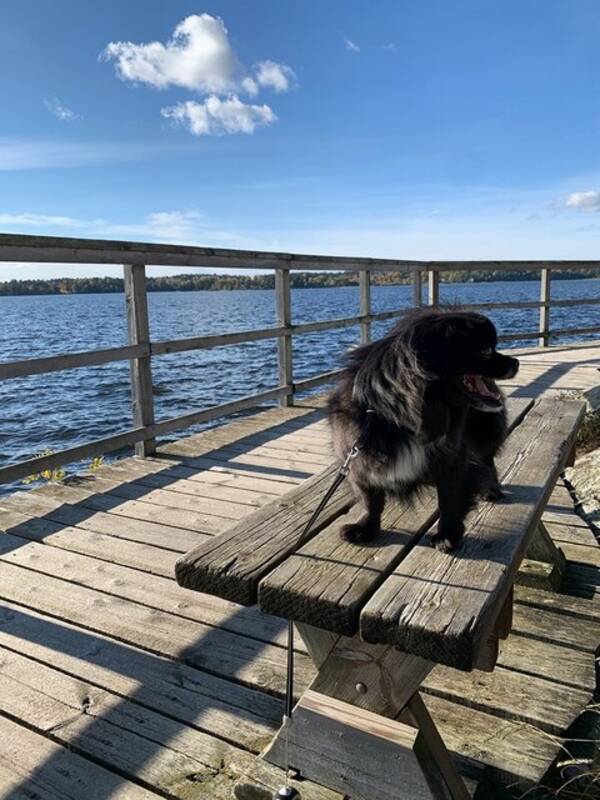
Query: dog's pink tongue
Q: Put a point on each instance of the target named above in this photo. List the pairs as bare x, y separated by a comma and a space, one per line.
481, 387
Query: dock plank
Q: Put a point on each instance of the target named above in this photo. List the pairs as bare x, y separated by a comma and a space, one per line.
205, 465
549, 660
550, 706
205, 491
160, 593
579, 633
33, 766
139, 743
153, 560
514, 752
117, 733
221, 477
221, 652
569, 606
230, 711
58, 514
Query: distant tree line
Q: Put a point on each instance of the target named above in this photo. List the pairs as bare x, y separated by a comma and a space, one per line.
304, 280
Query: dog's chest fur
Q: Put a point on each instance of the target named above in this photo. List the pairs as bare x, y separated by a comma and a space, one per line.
406, 466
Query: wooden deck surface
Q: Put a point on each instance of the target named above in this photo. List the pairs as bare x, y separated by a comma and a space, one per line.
116, 683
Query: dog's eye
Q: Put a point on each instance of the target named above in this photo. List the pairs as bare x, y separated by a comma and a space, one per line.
486, 352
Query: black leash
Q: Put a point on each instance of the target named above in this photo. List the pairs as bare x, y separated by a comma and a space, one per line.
287, 791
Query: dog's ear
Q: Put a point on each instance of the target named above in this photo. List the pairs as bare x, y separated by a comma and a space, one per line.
458, 333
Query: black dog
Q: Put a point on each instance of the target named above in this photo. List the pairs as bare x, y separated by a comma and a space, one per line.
424, 407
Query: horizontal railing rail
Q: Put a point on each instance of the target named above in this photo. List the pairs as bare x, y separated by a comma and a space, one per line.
41, 249
141, 349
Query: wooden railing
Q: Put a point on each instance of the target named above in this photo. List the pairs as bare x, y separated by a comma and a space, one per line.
140, 350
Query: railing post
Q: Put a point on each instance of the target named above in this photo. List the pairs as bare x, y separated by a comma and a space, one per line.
417, 288
544, 328
139, 333
283, 298
365, 305
433, 289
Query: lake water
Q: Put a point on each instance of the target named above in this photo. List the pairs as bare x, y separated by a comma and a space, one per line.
67, 408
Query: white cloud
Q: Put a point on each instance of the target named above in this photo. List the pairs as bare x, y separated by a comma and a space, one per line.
219, 117
250, 86
350, 45
60, 111
275, 76
198, 57
584, 201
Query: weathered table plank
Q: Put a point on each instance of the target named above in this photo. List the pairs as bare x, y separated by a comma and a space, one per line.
439, 605
328, 580
232, 565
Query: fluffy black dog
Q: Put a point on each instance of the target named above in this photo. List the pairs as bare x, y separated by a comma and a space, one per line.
424, 406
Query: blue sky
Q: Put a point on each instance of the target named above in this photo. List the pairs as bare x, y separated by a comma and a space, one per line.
403, 129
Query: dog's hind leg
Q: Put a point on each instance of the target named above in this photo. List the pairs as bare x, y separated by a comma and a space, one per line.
368, 525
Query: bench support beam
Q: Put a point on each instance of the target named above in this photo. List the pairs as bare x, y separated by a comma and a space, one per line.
545, 565
345, 732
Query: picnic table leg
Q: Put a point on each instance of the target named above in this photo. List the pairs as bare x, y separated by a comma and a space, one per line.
545, 565
441, 771
345, 732
500, 629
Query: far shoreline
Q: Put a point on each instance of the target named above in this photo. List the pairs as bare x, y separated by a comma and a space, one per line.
301, 280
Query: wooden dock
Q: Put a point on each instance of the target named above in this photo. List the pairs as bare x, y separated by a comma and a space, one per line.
116, 683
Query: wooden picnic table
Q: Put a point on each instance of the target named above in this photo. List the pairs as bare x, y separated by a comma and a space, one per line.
377, 618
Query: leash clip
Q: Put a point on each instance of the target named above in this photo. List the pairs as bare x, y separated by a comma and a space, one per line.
352, 454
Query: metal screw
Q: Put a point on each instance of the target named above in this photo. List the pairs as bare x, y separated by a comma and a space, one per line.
361, 688
286, 793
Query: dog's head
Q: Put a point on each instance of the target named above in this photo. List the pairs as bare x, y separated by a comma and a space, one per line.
460, 346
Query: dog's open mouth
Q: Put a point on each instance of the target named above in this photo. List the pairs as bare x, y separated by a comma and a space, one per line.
482, 392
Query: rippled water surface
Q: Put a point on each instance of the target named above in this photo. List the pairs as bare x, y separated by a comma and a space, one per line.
67, 408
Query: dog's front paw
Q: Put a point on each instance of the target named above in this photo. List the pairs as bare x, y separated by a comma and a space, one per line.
356, 533
494, 494
444, 543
